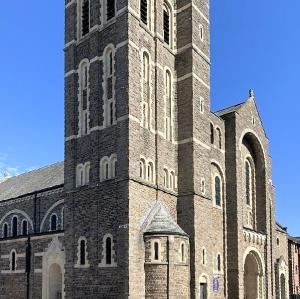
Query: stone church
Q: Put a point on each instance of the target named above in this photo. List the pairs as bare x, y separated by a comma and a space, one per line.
157, 197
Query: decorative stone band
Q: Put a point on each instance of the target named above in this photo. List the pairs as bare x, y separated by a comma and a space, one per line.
254, 237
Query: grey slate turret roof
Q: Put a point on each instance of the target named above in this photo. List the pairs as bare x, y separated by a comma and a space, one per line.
33, 181
159, 221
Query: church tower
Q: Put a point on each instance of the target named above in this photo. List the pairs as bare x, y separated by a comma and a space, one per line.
138, 133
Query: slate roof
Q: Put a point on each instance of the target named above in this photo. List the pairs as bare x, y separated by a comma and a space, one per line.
36, 180
161, 222
228, 110
281, 228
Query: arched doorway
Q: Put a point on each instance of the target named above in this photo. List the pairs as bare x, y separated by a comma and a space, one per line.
282, 287
253, 277
203, 287
55, 282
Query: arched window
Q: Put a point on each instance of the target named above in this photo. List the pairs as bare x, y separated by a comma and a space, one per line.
142, 169
201, 32
110, 9
156, 252
202, 186
114, 161
109, 87
168, 106
15, 226
144, 11
201, 105
87, 167
219, 266
172, 180
5, 230
105, 169
218, 191
82, 252
219, 138
24, 228
167, 18
13, 261
249, 183
84, 98
146, 91
212, 134
203, 256
79, 175
53, 222
150, 172
166, 178
108, 251
108, 254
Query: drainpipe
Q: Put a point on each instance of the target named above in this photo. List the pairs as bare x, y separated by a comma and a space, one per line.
28, 266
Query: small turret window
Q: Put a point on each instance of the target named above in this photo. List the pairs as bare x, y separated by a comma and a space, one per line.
156, 251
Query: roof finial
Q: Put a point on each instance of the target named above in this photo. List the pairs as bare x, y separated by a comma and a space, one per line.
251, 93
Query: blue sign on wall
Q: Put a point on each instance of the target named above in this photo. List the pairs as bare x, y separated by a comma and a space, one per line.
216, 284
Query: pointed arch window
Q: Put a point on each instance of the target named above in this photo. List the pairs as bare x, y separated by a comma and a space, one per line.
109, 87
15, 226
218, 191
166, 178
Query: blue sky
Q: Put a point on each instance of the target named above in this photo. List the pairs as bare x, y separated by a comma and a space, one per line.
255, 44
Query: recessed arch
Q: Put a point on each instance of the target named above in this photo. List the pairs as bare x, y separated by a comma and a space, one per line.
49, 211
16, 211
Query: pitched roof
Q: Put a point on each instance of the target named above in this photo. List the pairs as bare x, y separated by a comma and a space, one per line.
228, 110
159, 221
281, 228
36, 180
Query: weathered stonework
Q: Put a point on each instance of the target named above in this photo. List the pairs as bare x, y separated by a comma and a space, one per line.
230, 248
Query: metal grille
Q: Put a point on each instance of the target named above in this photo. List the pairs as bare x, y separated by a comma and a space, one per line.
85, 17
111, 11
166, 27
144, 11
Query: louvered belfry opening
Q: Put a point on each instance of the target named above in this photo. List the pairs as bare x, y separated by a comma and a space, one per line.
85, 17
111, 9
144, 11
166, 25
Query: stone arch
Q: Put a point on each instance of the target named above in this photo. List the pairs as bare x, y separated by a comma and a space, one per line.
204, 286
253, 275
252, 144
49, 211
16, 211
53, 271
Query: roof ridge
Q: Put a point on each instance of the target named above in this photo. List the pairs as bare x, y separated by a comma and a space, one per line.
31, 171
